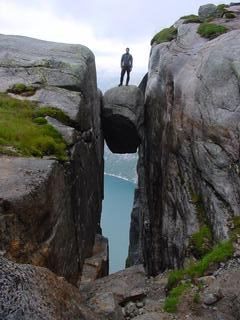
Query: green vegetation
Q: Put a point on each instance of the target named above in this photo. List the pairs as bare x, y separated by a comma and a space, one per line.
236, 228
196, 297
201, 241
211, 30
173, 298
221, 9
192, 18
177, 279
52, 112
229, 15
40, 120
23, 133
165, 35
22, 89
199, 207
219, 253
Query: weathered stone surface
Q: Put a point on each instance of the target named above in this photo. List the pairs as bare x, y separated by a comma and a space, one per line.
50, 211
123, 118
69, 134
97, 265
150, 316
207, 10
29, 292
105, 295
189, 159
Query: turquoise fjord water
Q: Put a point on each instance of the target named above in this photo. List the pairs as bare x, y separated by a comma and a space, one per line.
117, 207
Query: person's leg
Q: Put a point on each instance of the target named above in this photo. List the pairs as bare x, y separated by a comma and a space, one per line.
128, 76
122, 76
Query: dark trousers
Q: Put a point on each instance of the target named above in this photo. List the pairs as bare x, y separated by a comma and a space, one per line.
124, 69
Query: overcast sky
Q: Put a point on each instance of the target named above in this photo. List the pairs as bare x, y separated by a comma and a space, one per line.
107, 27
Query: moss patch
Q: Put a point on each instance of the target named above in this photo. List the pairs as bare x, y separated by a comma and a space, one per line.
211, 30
192, 18
201, 241
221, 252
221, 9
21, 134
235, 232
229, 15
52, 112
22, 89
180, 280
165, 35
199, 207
173, 299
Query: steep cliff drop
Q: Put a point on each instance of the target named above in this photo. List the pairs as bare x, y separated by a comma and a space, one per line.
187, 200
50, 210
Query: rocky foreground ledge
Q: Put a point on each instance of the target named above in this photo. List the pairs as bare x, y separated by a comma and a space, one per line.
30, 292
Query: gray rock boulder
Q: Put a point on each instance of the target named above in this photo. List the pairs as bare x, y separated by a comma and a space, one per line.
50, 211
207, 10
104, 296
29, 292
123, 118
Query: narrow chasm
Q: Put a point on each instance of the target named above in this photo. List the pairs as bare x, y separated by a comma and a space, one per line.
119, 184
122, 125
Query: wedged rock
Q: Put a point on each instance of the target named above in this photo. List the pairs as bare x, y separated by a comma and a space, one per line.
123, 118
50, 211
29, 292
189, 158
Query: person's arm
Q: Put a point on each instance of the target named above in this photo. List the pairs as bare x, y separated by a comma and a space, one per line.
122, 60
131, 61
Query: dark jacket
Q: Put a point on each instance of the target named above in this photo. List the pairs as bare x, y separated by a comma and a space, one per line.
127, 60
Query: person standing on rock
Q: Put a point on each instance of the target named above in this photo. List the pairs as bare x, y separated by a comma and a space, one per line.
126, 65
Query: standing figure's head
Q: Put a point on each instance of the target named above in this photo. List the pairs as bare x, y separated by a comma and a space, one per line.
127, 50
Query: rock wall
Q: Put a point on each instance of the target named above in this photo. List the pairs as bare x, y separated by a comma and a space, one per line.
50, 211
189, 160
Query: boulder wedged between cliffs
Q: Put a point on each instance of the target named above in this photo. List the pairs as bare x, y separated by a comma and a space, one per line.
122, 118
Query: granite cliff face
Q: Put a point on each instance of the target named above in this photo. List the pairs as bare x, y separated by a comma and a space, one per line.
189, 159
50, 211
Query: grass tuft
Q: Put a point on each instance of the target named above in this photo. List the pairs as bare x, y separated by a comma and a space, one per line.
201, 241
165, 35
173, 299
177, 284
21, 133
221, 9
192, 18
211, 30
219, 253
52, 112
229, 15
22, 89
235, 232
